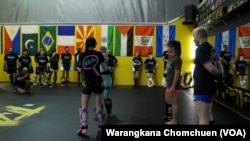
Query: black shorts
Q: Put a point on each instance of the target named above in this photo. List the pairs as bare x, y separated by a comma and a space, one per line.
242, 73
41, 69
93, 85
66, 67
12, 69
150, 70
136, 68
20, 84
54, 67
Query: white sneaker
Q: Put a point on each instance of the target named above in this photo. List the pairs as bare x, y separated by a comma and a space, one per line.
149, 84
152, 82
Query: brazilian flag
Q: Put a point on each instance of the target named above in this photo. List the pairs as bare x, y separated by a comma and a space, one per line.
48, 38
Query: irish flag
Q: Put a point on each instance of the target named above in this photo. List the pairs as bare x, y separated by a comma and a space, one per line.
144, 40
244, 41
124, 40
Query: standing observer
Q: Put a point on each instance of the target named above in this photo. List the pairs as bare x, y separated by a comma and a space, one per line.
204, 75
90, 62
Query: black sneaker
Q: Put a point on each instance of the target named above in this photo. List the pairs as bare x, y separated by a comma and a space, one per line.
109, 116
49, 85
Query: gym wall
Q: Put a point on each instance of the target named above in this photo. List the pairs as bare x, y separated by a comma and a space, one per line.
123, 73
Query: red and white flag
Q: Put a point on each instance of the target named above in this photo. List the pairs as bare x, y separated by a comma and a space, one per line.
143, 40
244, 41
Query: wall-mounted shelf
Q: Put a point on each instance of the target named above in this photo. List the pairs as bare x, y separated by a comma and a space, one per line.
237, 13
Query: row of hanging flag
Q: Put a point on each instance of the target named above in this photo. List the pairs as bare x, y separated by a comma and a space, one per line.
121, 40
229, 38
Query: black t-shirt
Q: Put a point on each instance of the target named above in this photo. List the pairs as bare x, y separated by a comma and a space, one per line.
42, 61
25, 61
21, 83
37, 55
112, 60
137, 61
203, 80
174, 63
77, 56
165, 54
11, 59
150, 63
226, 55
240, 66
54, 59
66, 59
90, 63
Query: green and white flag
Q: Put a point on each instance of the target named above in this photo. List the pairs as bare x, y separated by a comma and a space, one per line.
30, 38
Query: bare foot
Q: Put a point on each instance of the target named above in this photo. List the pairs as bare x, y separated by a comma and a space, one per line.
172, 122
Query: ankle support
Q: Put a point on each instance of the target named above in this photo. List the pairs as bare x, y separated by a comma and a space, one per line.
99, 112
100, 121
84, 124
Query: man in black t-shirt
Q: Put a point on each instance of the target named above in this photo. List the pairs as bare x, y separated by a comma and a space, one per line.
22, 82
136, 68
36, 77
90, 62
112, 61
25, 61
54, 64
10, 65
79, 76
43, 71
226, 58
150, 66
66, 67
204, 76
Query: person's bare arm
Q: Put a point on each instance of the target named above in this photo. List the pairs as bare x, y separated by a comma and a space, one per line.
23, 77
212, 69
177, 74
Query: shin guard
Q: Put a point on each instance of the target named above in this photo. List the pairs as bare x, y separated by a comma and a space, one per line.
84, 124
99, 114
108, 105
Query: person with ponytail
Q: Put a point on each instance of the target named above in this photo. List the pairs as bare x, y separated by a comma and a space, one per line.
89, 65
173, 78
